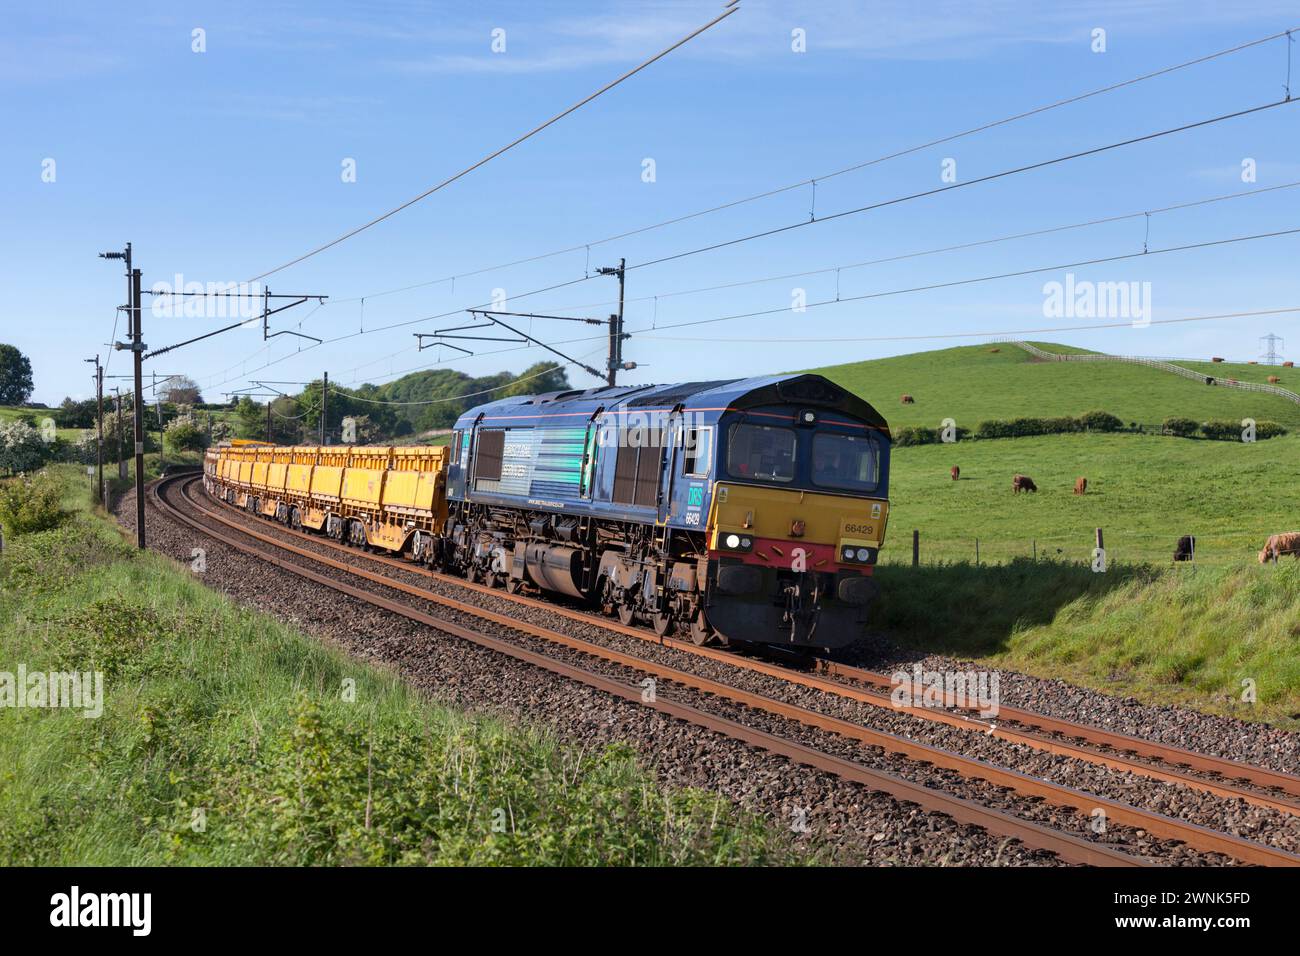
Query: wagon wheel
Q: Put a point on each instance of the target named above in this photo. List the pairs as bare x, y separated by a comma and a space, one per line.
662, 623
471, 574
626, 613
514, 585
700, 630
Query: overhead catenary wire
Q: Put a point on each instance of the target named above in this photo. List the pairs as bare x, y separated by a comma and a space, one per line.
485, 391
824, 270
828, 218
504, 149
974, 244
856, 167
986, 334
1186, 247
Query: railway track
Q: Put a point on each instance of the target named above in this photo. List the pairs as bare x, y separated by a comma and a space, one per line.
1218, 776
1068, 847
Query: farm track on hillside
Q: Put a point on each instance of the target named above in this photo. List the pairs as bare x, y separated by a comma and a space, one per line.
831, 744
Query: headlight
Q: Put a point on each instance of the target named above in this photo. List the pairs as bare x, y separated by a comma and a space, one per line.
736, 542
854, 555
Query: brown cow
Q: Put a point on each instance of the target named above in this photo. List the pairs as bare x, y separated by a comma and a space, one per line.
908, 400
1080, 486
956, 472
1021, 483
1273, 380
1185, 550
1279, 544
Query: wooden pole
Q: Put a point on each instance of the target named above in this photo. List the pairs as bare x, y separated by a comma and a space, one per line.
916, 548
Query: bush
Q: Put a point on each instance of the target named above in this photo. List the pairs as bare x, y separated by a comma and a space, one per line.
921, 435
21, 447
915, 435
1231, 431
185, 434
31, 504
1097, 421
1221, 430
1182, 427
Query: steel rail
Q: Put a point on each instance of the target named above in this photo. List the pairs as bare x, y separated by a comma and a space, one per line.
1117, 742
1069, 848
1194, 835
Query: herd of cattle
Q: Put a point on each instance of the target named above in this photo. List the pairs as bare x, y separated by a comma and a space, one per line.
1288, 542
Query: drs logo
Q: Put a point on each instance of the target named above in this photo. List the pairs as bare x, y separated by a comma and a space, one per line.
694, 496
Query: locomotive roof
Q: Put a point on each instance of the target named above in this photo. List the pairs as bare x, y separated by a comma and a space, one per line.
713, 396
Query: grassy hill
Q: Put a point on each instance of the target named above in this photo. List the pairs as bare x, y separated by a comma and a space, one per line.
1144, 491
972, 383
8, 413
1162, 633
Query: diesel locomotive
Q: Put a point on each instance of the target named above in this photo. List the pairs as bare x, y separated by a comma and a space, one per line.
734, 511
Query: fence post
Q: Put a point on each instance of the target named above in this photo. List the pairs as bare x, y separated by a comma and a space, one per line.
1034, 542
977, 552
1099, 540
916, 548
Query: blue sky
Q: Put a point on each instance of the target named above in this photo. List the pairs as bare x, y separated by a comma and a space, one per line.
222, 164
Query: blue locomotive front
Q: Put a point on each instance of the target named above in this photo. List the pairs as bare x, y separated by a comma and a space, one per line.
749, 510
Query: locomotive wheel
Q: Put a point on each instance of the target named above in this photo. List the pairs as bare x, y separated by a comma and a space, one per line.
514, 585
662, 623
626, 614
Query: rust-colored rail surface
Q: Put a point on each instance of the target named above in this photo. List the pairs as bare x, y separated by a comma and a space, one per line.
1114, 746
1069, 847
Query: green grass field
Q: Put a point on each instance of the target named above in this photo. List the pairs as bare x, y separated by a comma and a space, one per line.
1144, 492
973, 383
9, 413
228, 738
1144, 627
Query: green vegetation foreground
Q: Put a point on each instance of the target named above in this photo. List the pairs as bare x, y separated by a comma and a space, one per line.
226, 738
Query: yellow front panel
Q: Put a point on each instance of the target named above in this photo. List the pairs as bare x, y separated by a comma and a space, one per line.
245, 470
770, 513
362, 486
326, 481
298, 479
259, 474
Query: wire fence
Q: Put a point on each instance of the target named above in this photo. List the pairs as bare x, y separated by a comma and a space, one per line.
1120, 547
1158, 364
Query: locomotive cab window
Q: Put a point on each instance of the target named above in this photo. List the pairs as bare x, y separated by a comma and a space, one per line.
761, 452
851, 462
697, 452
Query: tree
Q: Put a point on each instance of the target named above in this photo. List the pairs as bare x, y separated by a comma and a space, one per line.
536, 380
250, 419
15, 376
182, 390
73, 414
